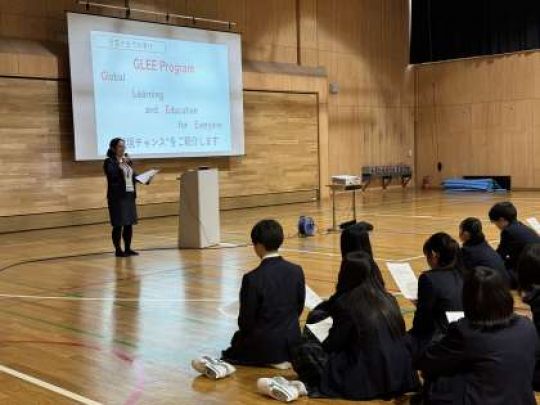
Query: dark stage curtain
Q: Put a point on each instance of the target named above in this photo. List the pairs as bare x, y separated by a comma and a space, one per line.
450, 29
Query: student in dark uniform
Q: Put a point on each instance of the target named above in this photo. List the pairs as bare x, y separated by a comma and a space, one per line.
121, 195
271, 301
365, 355
353, 239
439, 290
488, 357
514, 235
528, 272
475, 250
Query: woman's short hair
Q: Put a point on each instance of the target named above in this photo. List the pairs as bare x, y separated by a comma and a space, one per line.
487, 301
528, 267
473, 226
446, 248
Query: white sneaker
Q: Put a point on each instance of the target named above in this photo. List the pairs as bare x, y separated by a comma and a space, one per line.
214, 369
300, 386
278, 388
282, 366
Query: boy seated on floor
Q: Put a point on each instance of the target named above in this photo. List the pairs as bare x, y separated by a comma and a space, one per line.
515, 236
271, 302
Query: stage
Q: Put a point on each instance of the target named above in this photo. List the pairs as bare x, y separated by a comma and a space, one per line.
79, 325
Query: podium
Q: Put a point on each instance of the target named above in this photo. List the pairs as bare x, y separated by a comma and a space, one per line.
199, 209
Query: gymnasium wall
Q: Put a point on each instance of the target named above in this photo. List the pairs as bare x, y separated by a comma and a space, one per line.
360, 44
480, 116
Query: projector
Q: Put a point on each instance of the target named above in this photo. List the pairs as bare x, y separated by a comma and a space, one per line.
346, 180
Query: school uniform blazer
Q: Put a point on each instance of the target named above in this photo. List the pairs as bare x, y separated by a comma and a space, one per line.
271, 300
439, 291
532, 298
364, 361
489, 366
116, 182
482, 254
514, 238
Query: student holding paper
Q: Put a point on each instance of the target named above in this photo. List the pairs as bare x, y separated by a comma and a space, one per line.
439, 290
353, 239
121, 195
488, 357
475, 249
365, 355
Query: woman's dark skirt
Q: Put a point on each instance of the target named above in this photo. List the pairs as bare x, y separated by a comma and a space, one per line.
123, 211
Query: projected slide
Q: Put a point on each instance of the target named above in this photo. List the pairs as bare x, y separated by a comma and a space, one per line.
168, 91
161, 95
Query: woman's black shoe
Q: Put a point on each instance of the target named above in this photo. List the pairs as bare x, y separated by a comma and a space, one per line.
119, 253
131, 253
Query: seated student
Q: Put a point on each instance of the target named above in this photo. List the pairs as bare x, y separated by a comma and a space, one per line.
528, 271
365, 355
514, 235
476, 251
439, 290
271, 301
353, 239
488, 357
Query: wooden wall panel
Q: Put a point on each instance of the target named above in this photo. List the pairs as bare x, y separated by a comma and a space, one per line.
479, 117
39, 175
362, 44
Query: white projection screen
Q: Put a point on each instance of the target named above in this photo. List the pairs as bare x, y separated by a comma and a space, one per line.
168, 91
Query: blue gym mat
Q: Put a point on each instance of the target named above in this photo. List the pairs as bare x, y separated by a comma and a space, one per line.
483, 185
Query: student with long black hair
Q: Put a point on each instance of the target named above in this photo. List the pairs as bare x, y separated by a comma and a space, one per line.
353, 239
488, 357
528, 272
365, 355
439, 290
475, 250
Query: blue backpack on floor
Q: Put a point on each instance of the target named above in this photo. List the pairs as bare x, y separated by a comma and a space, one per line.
306, 226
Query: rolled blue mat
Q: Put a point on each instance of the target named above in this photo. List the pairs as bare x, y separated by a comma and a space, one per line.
486, 185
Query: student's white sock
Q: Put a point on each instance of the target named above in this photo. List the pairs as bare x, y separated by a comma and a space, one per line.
282, 366
214, 369
278, 388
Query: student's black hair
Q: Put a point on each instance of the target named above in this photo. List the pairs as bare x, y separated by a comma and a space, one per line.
268, 233
505, 210
528, 267
446, 248
473, 226
111, 152
369, 303
356, 238
487, 301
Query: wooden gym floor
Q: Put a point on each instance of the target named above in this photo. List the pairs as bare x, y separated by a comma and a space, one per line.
96, 329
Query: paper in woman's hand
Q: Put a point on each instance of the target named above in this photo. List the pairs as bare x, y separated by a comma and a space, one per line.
146, 177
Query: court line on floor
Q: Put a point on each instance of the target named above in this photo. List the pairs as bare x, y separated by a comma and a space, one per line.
48, 386
111, 299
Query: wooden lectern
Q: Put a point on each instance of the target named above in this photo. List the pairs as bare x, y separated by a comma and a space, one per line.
199, 209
